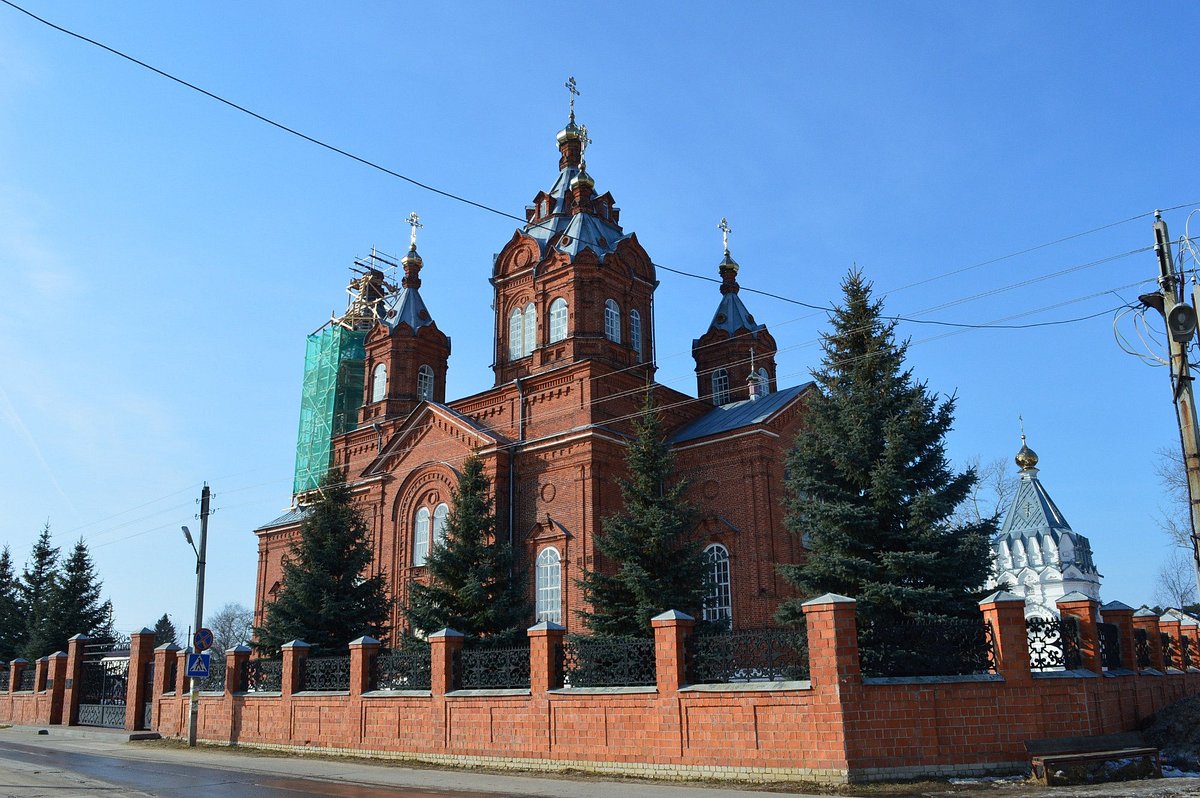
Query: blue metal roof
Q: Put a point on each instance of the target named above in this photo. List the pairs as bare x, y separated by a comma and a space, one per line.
410, 309
732, 316
292, 516
583, 230
1032, 511
736, 415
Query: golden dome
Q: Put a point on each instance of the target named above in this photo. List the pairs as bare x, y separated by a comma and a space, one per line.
412, 258
582, 179
1026, 458
728, 264
570, 133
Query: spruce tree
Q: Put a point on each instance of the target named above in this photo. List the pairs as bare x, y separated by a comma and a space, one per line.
473, 586
38, 583
12, 617
325, 597
651, 565
869, 483
75, 606
164, 632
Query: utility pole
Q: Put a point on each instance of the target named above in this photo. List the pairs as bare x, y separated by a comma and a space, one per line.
1181, 326
194, 709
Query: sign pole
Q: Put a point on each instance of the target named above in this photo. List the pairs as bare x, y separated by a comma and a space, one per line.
194, 709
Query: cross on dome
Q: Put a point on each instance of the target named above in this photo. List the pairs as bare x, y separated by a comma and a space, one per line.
571, 87
414, 222
725, 231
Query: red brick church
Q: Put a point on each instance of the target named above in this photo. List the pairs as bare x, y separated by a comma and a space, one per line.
574, 352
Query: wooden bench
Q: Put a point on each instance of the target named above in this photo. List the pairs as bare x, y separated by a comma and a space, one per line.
1091, 760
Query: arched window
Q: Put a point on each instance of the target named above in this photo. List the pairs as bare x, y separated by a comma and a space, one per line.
718, 604
612, 321
635, 333
425, 383
439, 524
421, 537
558, 320
764, 379
514, 335
379, 383
720, 387
530, 329
549, 586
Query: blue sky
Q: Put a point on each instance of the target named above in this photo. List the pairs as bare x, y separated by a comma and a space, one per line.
162, 257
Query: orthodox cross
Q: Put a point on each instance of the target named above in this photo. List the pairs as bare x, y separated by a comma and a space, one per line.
414, 222
570, 84
725, 231
1021, 421
583, 141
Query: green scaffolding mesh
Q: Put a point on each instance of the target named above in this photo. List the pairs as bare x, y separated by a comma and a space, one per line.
329, 401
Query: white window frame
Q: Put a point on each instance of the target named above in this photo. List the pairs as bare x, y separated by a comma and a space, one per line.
720, 387
718, 601
515, 327
440, 514
764, 379
530, 329
425, 383
548, 581
421, 536
558, 320
379, 383
612, 321
635, 332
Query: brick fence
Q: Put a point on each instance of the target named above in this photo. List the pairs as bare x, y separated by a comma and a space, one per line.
838, 726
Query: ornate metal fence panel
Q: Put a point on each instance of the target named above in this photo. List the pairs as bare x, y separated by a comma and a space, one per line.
325, 673
171, 676
942, 647
1110, 645
1141, 648
1168, 650
749, 656
103, 687
28, 679
215, 681
482, 668
262, 676
148, 701
404, 668
1053, 643
1186, 655
608, 661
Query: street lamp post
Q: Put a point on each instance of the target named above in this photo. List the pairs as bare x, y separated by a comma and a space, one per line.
194, 709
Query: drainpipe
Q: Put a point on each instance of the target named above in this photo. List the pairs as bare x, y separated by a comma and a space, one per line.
512, 458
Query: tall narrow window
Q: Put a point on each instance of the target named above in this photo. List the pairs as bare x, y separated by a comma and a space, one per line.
718, 605
612, 321
558, 320
439, 524
530, 329
514, 335
421, 536
549, 586
635, 333
764, 380
720, 387
425, 383
379, 383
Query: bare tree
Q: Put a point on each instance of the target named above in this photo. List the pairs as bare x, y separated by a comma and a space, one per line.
1176, 581
1175, 519
232, 625
993, 492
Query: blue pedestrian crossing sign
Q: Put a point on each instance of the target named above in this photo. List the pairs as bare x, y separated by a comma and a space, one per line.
198, 665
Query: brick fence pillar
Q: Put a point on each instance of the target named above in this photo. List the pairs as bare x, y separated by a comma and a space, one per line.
1169, 625
1121, 616
1085, 611
235, 662
73, 683
444, 646
545, 642
362, 651
15, 668
294, 654
55, 681
671, 632
166, 660
1005, 613
832, 641
181, 679
41, 672
1147, 620
141, 654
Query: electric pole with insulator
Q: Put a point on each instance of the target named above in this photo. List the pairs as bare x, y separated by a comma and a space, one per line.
1180, 318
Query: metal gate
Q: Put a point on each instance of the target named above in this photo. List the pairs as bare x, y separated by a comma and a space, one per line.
102, 701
